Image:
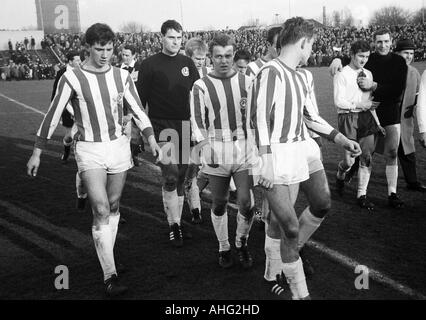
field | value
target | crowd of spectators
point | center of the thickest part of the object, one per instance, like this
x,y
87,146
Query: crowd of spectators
x,y
23,63
330,43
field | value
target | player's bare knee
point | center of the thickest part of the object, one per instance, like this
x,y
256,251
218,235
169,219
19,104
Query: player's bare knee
x,y
291,231
244,204
170,182
101,210
114,206
219,207
321,208
365,159
392,154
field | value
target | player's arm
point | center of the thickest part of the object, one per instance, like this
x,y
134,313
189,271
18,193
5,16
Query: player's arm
x,y
321,127
198,121
49,123
198,114
141,119
144,82
337,64
267,92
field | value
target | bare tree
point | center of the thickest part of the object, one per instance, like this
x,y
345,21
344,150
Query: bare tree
x,y
133,27
390,16
418,16
336,19
348,20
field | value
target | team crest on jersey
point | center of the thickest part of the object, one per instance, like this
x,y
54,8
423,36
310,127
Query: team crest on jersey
x,y
243,103
185,71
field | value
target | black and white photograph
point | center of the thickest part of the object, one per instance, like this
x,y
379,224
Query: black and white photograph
x,y
213,156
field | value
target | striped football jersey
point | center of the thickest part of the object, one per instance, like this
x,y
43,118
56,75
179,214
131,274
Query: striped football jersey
x,y
97,100
203,71
283,107
254,67
218,107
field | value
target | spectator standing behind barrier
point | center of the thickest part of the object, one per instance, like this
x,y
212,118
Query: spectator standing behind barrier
x,y
406,151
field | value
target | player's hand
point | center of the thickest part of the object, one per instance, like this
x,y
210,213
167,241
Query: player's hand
x,y
127,126
266,179
382,131
374,105
423,139
335,66
353,147
33,165
365,84
155,149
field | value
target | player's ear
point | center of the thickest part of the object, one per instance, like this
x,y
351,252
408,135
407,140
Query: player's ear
x,y
302,44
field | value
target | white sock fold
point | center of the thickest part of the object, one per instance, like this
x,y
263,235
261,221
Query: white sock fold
x,y
220,225
194,196
364,174
273,262
295,276
102,238
392,178
308,224
171,206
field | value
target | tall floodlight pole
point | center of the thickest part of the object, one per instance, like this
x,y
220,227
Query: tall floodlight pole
x,y
423,11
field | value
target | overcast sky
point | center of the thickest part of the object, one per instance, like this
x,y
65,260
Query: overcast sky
x,y
196,14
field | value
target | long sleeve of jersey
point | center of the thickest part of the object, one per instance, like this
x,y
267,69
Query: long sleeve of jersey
x,y
51,119
136,108
265,94
143,83
198,113
316,123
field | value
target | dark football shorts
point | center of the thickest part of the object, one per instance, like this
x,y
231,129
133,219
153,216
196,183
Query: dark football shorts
x,y
178,132
357,125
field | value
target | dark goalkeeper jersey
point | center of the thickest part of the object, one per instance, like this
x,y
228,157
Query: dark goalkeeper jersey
x,y
164,84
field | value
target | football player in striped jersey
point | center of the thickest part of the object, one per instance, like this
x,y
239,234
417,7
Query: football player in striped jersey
x,y
196,49
196,181
271,52
281,109
97,92
218,117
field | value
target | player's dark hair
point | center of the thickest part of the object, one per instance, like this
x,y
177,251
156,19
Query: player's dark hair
x,y
71,54
170,24
223,40
381,32
294,29
99,33
242,54
272,33
360,46
195,44
130,47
